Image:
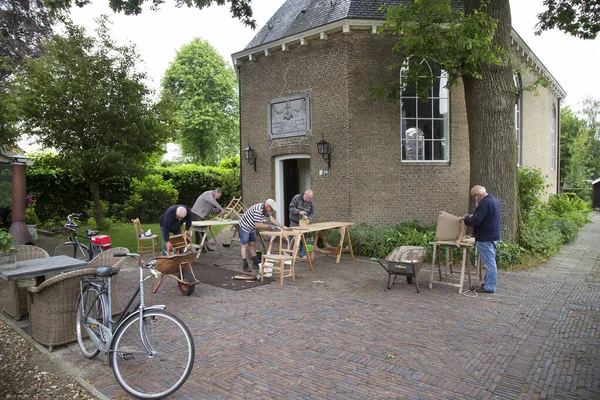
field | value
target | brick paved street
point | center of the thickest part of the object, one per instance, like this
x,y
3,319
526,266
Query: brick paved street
x,y
337,333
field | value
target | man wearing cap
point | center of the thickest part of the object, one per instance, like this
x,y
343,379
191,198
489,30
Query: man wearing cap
x,y
257,216
170,222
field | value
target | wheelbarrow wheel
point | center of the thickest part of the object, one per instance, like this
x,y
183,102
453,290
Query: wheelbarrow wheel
x,y
186,289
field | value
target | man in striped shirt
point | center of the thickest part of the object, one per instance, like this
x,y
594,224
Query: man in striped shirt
x,y
257,216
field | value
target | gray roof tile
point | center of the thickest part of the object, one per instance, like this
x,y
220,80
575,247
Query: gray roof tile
x,y
296,16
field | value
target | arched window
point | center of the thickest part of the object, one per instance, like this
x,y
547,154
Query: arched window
x,y
425,124
553,139
518,131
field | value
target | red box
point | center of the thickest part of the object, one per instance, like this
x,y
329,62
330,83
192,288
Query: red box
x,y
102,240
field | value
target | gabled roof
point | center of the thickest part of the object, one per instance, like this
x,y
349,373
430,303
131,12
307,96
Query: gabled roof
x,y
297,21
296,16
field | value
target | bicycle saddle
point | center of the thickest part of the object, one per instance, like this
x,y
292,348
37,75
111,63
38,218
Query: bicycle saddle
x,y
105,272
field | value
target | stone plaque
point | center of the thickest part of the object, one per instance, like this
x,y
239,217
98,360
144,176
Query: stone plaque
x,y
290,116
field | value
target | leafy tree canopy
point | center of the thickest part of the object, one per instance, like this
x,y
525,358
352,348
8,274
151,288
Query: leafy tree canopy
x,y
24,24
84,99
580,18
199,97
240,9
455,42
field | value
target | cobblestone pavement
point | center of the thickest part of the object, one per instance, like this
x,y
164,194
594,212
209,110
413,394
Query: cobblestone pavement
x,y
337,333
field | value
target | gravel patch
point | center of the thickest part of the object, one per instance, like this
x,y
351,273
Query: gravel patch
x,y
27,373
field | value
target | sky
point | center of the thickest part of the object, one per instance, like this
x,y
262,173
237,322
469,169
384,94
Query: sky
x,y
159,34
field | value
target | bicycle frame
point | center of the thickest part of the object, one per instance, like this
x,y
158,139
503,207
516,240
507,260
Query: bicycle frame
x,y
107,333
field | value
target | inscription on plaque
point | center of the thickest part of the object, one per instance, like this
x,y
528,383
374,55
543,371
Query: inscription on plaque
x,y
290,116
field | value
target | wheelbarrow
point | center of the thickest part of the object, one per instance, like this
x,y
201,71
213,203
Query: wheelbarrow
x,y
405,261
178,267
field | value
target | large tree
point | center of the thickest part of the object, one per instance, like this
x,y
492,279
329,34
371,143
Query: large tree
x,y
199,95
85,99
473,46
24,24
240,9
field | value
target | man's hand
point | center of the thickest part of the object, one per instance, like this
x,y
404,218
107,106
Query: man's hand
x,y
302,212
168,246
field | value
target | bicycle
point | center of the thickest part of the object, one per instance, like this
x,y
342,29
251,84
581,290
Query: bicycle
x,y
150,350
74,248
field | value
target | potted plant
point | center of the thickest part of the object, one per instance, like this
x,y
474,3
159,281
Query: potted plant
x,y
8,254
31,220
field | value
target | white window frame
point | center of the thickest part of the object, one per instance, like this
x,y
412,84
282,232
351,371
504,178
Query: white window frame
x,y
418,137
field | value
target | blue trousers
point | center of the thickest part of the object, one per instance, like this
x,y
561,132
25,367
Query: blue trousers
x,y
487,251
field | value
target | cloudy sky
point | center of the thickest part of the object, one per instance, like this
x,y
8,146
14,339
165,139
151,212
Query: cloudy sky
x,y
158,35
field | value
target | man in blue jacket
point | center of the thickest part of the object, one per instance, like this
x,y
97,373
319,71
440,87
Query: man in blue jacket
x,y
170,222
486,229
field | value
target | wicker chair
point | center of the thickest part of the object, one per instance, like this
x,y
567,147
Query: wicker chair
x,y
14,308
52,308
107,259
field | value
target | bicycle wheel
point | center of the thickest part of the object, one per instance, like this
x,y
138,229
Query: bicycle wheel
x,y
187,290
71,249
93,307
158,375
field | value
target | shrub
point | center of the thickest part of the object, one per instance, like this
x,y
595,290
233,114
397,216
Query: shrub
x,y
509,254
531,186
6,242
151,197
31,217
541,235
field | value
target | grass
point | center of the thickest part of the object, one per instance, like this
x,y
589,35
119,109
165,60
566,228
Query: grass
x,y
123,235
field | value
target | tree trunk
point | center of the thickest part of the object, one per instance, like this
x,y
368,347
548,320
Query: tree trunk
x,y
490,105
95,186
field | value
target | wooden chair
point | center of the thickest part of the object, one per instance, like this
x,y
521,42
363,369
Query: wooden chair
x,y
52,308
234,209
107,259
24,252
285,261
144,243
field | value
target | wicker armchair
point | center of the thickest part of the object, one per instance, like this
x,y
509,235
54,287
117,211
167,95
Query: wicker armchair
x,y
18,308
52,308
107,259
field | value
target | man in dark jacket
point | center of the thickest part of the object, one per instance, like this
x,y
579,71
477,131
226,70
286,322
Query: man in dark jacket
x,y
171,221
301,207
486,229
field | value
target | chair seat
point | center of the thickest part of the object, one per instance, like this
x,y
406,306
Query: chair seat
x,y
278,257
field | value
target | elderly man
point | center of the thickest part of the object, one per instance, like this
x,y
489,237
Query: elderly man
x,y
301,207
257,216
170,222
486,229
205,204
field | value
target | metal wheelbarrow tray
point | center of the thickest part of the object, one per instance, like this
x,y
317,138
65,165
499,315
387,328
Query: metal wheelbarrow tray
x,y
405,261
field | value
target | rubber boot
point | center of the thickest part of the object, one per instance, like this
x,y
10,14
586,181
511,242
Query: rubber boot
x,y
245,266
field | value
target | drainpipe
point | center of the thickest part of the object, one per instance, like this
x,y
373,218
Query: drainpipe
x,y
239,75
558,187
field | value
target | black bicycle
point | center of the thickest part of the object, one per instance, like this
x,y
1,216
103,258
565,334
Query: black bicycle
x,y
74,248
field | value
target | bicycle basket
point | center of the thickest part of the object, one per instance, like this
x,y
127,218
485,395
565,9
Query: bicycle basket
x,y
68,230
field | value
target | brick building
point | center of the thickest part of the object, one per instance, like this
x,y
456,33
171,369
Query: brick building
x,y
306,77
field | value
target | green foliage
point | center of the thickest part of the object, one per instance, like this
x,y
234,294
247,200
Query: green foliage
x,y
240,9
199,99
540,235
84,98
571,206
379,241
6,242
458,43
531,186
151,197
577,17
509,254
31,217
191,180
